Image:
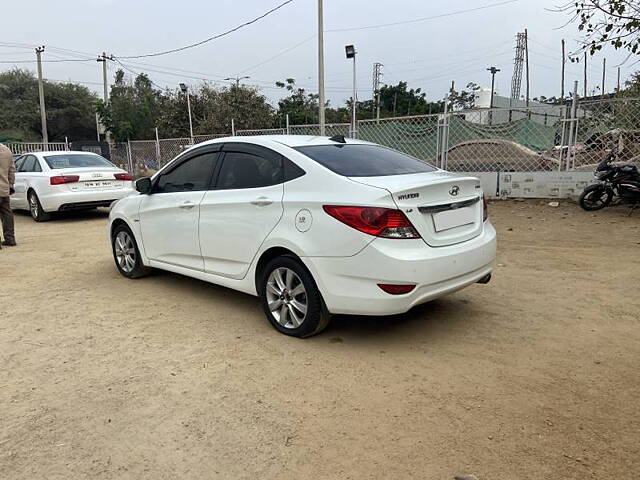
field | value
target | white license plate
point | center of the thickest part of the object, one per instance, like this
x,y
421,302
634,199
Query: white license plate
x,y
99,184
454,218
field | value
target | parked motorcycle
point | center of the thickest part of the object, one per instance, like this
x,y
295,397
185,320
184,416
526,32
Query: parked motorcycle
x,y
622,182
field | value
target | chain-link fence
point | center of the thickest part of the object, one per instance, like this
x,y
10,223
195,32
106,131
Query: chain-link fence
x,y
536,139
330,129
265,131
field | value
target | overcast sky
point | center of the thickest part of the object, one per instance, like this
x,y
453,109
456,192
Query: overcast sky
x,y
428,54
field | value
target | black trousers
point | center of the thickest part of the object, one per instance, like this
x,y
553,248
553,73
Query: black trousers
x,y
6,217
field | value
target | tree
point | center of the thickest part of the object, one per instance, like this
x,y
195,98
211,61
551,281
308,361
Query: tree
x,y
133,108
397,100
602,22
464,99
215,108
302,107
70,109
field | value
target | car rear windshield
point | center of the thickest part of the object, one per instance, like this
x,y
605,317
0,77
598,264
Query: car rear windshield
x,y
357,160
77,160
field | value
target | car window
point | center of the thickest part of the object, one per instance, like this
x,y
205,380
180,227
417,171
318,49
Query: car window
x,y
77,160
28,164
36,165
358,160
291,170
248,170
192,175
19,162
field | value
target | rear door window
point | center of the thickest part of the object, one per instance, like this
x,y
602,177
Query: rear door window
x,y
28,164
249,166
358,160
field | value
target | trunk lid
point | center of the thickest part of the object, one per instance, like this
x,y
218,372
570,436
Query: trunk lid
x,y
445,208
92,178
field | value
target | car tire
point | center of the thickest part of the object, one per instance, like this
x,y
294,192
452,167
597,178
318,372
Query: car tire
x,y
35,208
290,298
126,254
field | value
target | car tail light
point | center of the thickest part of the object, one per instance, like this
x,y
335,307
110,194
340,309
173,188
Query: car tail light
x,y
393,289
60,179
127,177
380,222
485,209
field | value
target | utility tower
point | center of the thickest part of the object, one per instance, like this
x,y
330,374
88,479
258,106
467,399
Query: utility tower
x,y
516,80
377,73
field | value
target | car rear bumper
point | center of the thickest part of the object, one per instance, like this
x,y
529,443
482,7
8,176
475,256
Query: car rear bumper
x,y
79,200
349,284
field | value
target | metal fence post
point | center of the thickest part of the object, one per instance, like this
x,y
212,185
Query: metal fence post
x,y
130,157
233,128
287,123
573,130
158,159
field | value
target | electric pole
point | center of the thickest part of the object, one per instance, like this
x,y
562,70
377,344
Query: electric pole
x,y
321,100
43,112
564,59
618,89
103,58
376,89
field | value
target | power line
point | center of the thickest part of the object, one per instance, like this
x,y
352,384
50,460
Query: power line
x,y
179,49
416,20
279,54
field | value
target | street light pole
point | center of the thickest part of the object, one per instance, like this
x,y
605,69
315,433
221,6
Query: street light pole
x,y
321,100
237,80
350,51
493,71
185,90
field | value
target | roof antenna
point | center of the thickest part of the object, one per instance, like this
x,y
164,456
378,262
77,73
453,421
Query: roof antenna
x,y
338,138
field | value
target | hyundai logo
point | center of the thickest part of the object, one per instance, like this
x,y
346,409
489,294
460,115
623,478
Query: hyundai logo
x,y
454,190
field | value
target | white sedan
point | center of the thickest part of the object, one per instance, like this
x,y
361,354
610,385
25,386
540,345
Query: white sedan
x,y
56,181
313,225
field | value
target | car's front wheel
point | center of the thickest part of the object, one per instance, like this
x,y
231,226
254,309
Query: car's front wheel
x,y
35,208
291,299
126,253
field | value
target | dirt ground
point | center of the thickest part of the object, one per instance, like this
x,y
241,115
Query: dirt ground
x,y
533,376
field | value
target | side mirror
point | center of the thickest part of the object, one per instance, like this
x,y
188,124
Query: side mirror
x,y
143,185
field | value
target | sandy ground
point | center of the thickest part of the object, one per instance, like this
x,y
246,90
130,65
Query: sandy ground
x,y
534,376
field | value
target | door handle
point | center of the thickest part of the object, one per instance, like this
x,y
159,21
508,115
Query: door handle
x,y
187,205
261,202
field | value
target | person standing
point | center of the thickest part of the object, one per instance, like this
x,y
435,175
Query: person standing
x,y
7,180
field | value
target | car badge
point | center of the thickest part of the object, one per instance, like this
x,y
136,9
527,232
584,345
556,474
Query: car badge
x,y
454,190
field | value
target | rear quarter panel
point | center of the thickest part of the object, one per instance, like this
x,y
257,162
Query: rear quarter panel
x,y
306,229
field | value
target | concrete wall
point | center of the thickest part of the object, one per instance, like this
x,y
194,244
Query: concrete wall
x,y
533,184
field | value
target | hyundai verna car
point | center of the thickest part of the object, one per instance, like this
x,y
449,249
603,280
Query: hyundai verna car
x,y
48,182
312,225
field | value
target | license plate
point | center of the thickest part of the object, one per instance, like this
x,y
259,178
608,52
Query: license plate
x,y
98,184
454,218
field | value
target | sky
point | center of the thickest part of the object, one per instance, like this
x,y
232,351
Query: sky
x,y
428,53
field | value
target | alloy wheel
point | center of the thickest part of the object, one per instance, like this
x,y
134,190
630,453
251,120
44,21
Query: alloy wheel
x,y
33,206
286,297
125,252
